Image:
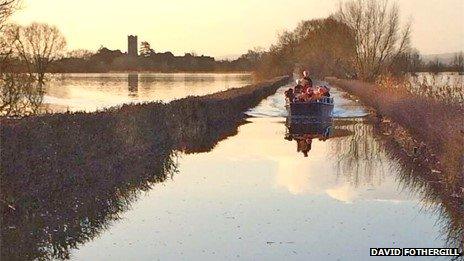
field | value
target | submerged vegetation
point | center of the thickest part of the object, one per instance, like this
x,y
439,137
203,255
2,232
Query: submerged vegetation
x,y
20,96
444,87
440,193
364,161
436,123
22,93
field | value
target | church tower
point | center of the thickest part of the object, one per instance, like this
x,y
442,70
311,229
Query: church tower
x,y
132,46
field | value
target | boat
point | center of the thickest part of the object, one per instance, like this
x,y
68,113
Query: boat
x,y
314,110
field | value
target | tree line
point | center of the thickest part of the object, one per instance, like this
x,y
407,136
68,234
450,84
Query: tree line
x,y
40,48
363,39
106,60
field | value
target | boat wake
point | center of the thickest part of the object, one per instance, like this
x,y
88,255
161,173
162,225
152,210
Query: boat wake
x,y
274,105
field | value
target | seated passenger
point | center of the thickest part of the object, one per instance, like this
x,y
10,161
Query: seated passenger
x,y
303,88
306,86
290,95
326,91
320,92
309,93
298,87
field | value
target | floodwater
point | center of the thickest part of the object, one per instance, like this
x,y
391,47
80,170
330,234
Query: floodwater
x,y
255,197
442,86
90,92
272,190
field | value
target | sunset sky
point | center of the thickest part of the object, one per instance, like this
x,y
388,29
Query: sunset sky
x,y
222,28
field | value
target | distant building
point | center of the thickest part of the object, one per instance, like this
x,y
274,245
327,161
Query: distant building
x,y
132,46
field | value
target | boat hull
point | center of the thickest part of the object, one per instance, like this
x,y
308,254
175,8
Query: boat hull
x,y
320,109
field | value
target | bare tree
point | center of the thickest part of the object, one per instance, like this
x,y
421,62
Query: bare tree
x,y
39,45
7,8
7,42
325,47
458,62
20,95
378,35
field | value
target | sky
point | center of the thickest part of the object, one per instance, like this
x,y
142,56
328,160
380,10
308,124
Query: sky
x,y
223,28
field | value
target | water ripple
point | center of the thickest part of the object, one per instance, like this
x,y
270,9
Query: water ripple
x,y
274,105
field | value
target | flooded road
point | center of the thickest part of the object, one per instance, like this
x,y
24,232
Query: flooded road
x,y
256,196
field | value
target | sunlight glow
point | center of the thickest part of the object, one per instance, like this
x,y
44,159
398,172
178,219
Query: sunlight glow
x,y
221,28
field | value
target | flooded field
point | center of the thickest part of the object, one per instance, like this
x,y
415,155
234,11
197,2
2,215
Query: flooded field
x,y
269,190
445,86
89,92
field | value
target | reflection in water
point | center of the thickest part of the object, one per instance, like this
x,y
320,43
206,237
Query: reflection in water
x,y
72,208
133,83
304,133
438,193
436,198
362,160
20,95
353,153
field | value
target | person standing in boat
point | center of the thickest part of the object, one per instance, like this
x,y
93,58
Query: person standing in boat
x,y
307,79
307,90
